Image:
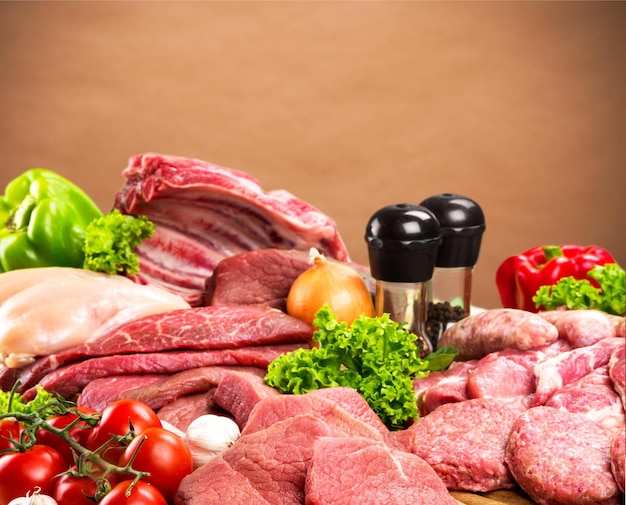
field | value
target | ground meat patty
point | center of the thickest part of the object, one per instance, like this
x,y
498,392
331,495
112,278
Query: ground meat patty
x,y
464,442
560,457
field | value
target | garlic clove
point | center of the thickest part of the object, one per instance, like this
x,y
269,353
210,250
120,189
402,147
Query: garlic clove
x,y
210,435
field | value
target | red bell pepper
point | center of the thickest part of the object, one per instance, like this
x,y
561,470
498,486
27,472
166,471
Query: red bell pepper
x,y
519,277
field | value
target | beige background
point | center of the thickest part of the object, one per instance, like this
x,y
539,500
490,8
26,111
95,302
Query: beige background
x,y
349,105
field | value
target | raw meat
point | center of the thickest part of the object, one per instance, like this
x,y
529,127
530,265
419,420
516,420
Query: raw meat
x,y
185,409
100,392
271,462
200,328
69,380
277,408
172,387
567,367
617,459
465,443
617,372
509,374
218,482
495,330
581,327
204,213
346,471
256,277
561,457
594,397
160,391
47,314
238,392
438,388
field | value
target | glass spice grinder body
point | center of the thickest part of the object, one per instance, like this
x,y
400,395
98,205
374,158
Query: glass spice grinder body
x,y
462,225
402,242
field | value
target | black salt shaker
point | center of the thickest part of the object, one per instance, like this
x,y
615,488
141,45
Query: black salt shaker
x,y
402,241
462,225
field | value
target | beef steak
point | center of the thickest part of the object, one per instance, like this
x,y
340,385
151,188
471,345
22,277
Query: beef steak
x,y
344,471
201,328
271,463
256,277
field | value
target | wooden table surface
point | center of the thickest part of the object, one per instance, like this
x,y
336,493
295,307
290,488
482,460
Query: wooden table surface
x,y
509,497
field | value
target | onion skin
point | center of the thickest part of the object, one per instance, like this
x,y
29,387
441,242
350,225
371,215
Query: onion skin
x,y
335,284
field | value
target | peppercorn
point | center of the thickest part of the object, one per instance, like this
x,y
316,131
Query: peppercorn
x,y
438,316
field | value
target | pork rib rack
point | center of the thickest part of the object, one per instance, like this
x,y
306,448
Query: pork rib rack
x,y
204,213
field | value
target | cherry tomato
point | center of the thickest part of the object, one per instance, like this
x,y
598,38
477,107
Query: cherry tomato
x,y
116,419
142,493
162,453
80,432
22,472
9,430
75,490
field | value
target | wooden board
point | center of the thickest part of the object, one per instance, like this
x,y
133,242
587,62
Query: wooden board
x,y
492,498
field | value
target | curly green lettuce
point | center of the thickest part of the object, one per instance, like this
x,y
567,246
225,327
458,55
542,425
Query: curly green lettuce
x,y
569,292
11,401
375,356
111,241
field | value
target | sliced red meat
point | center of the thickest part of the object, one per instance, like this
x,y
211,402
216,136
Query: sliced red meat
x,y
256,277
218,482
510,373
617,372
344,471
594,397
100,392
204,213
273,462
338,416
567,367
465,443
185,409
238,392
561,457
439,388
69,380
201,328
172,387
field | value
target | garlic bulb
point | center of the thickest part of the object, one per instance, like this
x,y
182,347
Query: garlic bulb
x,y
210,435
170,427
34,499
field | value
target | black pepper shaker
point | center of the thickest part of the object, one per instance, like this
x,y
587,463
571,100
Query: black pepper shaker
x,y
462,225
402,241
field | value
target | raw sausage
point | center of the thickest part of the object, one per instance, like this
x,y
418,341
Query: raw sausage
x,y
497,329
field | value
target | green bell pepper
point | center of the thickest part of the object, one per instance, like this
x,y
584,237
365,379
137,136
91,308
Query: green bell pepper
x,y
43,221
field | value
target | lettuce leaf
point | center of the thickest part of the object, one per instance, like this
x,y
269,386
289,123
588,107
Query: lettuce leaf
x,y
375,355
582,294
111,240
11,401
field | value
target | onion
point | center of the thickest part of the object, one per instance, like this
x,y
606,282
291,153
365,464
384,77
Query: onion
x,y
332,283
